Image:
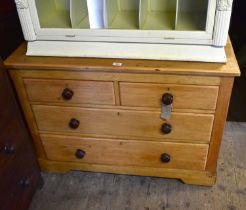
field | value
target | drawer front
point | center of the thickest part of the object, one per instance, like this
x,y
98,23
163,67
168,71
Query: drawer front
x,y
16,169
11,150
192,127
21,196
70,91
184,96
19,156
125,152
19,188
14,141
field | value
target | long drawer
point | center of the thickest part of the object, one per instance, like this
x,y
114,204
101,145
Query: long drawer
x,y
184,96
192,127
125,152
70,91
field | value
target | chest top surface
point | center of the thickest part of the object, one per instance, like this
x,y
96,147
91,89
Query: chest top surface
x,y
18,60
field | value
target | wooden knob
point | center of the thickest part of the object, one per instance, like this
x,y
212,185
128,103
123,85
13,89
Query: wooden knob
x,y
80,154
167,99
74,123
166,128
67,94
9,149
165,158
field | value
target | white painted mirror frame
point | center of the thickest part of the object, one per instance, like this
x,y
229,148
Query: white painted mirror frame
x,y
217,37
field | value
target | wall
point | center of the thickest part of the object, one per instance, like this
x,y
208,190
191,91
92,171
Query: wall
x,y
237,111
10,30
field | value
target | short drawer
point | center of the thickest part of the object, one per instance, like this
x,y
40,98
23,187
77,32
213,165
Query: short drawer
x,y
190,127
15,156
19,187
184,96
125,152
70,91
13,143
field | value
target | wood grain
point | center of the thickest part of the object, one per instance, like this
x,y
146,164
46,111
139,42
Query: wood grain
x,y
85,92
125,152
185,96
117,93
19,60
194,127
188,176
119,76
26,107
154,109
219,122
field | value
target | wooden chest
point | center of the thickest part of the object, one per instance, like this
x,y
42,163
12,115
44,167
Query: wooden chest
x,y
104,115
19,172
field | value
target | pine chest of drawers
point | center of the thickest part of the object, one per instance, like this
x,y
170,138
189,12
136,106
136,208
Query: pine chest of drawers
x,y
104,115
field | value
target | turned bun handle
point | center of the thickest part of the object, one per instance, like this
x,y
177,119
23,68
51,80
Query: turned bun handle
x,y
166,128
80,154
74,123
165,158
167,99
67,94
